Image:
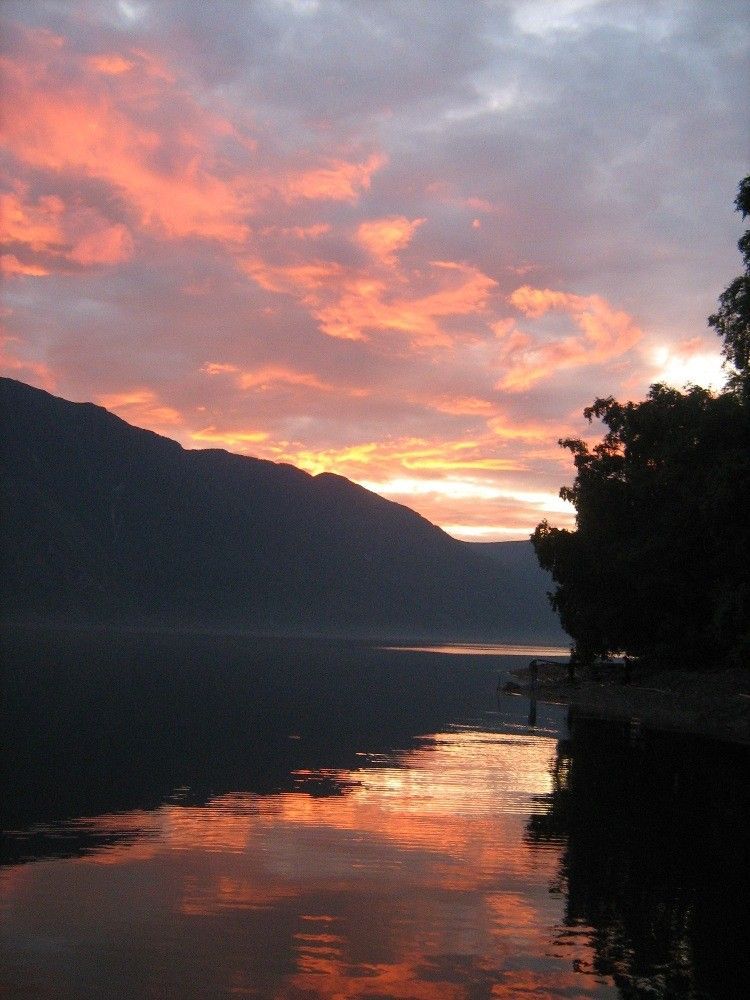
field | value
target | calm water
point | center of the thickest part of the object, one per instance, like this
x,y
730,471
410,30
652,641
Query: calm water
x,y
228,817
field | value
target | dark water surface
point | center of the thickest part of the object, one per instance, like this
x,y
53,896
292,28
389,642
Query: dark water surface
x,y
222,816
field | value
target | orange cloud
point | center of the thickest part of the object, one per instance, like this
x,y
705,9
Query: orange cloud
x,y
59,118
217,368
462,406
338,180
57,125
298,232
177,178
111,65
141,407
37,226
269,375
383,238
290,278
59,234
233,440
364,307
11,266
352,305
381,459
605,333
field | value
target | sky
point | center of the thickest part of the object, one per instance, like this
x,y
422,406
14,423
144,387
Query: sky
x,y
406,242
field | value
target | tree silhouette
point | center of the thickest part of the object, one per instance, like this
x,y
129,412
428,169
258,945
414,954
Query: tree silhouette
x,y
732,319
658,564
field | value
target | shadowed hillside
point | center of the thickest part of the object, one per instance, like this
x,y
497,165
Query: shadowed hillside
x,y
106,522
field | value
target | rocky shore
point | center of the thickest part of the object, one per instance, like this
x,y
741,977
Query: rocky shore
x,y
714,704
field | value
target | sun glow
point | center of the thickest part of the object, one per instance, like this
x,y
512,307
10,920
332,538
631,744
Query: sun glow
x,y
688,363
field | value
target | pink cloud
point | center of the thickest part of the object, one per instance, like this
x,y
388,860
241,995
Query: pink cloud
x,y
337,180
605,333
109,245
191,173
11,267
383,238
365,306
51,234
14,365
462,405
36,225
268,376
112,64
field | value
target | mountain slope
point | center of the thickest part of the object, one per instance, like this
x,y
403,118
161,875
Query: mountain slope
x,y
103,521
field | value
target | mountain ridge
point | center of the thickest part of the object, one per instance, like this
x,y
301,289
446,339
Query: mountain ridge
x,y
106,522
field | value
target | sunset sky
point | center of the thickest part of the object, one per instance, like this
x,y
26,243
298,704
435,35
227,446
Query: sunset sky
x,y
405,242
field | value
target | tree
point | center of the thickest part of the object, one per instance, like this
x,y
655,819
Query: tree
x,y
659,563
732,319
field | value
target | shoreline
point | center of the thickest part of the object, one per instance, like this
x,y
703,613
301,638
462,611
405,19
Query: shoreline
x,y
715,705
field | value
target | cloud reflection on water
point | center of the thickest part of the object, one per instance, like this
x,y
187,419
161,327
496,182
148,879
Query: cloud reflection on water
x,y
410,877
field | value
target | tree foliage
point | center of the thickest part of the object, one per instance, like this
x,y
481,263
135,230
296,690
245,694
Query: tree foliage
x,y
732,319
659,563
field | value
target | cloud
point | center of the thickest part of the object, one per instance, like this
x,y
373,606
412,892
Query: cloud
x,y
337,180
168,176
462,405
265,215
112,64
606,333
269,376
36,225
412,455
232,440
364,307
14,364
142,407
11,266
383,238
182,169
50,236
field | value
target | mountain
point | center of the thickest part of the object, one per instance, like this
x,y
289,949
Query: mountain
x,y
105,522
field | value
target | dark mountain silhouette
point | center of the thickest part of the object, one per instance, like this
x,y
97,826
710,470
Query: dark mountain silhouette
x,y
105,522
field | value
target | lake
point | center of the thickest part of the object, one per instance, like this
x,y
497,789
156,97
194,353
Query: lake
x,y
226,816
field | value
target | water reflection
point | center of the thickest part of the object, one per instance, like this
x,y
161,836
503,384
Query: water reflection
x,y
411,878
318,821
